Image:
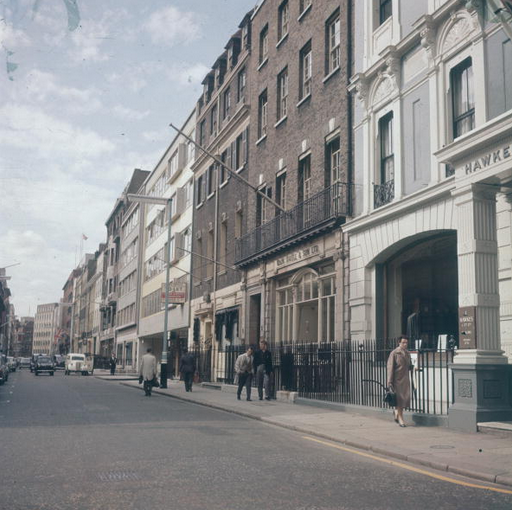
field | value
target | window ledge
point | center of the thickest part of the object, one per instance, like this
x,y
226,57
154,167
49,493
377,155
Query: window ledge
x,y
198,206
264,137
282,40
303,100
210,195
222,184
331,74
262,65
304,12
280,121
220,273
238,170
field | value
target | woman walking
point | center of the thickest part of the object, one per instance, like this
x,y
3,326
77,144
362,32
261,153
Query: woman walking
x,y
399,366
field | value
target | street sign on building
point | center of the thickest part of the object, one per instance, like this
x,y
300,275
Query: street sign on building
x,y
177,293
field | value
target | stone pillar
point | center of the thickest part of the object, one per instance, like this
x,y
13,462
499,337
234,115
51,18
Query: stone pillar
x,y
481,373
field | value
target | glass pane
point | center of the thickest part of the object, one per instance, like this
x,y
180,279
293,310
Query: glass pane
x,y
332,311
315,289
299,293
326,287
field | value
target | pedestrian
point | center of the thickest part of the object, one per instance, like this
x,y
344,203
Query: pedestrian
x,y
113,363
148,371
263,369
243,369
187,368
399,368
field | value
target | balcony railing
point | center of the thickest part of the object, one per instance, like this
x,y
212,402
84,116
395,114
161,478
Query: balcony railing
x,y
304,219
383,193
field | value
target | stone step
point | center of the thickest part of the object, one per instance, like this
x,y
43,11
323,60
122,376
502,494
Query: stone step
x,y
502,428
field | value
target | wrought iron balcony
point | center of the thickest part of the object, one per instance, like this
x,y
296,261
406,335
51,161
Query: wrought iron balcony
x,y
383,193
319,212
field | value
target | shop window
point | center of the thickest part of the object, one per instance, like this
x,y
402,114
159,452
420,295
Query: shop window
x,y
463,101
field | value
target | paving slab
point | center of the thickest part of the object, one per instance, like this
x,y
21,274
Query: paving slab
x,y
475,455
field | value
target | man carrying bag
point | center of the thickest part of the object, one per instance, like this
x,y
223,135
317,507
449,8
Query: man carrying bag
x,y
148,372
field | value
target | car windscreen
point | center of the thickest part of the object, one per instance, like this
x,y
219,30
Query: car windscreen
x,y
43,359
77,358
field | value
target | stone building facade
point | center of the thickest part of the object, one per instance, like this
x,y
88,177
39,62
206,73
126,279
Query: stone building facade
x,y
45,329
432,169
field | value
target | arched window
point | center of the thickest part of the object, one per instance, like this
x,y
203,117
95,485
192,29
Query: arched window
x,y
306,306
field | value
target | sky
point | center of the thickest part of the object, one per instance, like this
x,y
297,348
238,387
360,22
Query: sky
x,y
88,89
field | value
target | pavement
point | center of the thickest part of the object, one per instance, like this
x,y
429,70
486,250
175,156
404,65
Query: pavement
x,y
484,457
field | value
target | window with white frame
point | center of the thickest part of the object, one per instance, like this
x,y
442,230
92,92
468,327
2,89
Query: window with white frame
x,y
262,205
282,94
387,156
306,71
283,20
463,100
262,114
226,103
213,120
263,44
281,191
241,85
333,40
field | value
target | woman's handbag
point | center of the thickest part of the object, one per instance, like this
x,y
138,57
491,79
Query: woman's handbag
x,y
390,397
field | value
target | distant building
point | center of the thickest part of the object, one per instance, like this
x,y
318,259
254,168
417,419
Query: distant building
x,y
24,331
45,329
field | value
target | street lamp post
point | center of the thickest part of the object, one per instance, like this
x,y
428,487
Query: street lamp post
x,y
144,199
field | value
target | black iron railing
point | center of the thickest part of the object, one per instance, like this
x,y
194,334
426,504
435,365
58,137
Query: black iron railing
x,y
328,205
348,372
383,193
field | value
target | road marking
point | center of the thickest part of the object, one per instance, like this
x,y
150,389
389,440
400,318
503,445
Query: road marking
x,y
409,468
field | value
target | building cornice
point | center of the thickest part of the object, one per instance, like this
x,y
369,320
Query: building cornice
x,y
412,202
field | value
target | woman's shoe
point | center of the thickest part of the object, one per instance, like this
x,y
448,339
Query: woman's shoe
x,y
395,417
402,425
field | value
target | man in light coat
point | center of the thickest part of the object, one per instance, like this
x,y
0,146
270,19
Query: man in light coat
x,y
243,368
148,371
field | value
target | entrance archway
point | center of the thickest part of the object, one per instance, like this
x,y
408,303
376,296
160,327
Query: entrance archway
x,y
419,288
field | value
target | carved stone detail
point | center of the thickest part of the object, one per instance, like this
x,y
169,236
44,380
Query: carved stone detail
x,y
459,31
383,91
428,38
465,388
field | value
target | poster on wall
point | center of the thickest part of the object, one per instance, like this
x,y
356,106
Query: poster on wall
x,y
467,327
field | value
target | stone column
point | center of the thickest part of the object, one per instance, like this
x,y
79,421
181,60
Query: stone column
x,y
481,373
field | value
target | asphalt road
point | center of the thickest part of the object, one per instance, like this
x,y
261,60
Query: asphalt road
x,y
74,442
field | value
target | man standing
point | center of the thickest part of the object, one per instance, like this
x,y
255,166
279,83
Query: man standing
x,y
148,371
187,368
263,369
243,368
113,363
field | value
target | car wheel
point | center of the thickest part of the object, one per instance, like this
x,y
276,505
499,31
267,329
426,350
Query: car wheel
x,y
51,373
36,372
66,372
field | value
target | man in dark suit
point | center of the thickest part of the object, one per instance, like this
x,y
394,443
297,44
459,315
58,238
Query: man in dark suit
x,y
187,369
263,369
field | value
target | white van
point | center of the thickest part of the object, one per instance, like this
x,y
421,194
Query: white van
x,y
76,362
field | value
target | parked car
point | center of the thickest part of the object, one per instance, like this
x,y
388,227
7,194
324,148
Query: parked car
x,y
76,362
24,363
44,364
4,369
11,363
60,362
